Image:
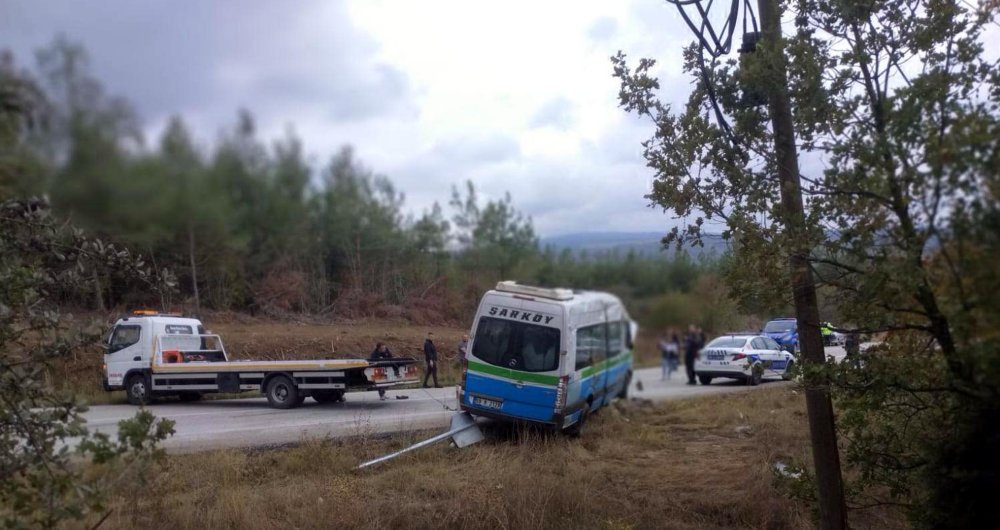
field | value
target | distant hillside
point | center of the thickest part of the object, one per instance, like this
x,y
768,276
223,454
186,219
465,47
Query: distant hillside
x,y
645,243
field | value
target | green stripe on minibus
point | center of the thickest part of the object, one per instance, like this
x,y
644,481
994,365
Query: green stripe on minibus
x,y
513,374
605,364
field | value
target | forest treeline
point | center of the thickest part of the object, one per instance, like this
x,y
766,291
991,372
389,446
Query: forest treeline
x,y
252,224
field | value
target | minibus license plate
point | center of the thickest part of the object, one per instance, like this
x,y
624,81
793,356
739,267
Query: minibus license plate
x,y
486,403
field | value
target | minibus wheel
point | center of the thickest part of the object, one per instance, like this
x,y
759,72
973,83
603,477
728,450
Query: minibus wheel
x,y
576,429
623,394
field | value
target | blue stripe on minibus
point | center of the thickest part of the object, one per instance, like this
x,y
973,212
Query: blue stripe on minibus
x,y
527,402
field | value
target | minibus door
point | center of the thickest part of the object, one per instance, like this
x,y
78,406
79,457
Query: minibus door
x,y
600,357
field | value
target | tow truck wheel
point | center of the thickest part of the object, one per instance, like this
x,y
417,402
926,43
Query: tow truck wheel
x,y
328,396
282,393
137,390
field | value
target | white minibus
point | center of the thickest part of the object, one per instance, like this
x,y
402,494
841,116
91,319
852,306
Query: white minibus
x,y
547,356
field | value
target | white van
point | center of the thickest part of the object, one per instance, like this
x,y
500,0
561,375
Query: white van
x,y
548,356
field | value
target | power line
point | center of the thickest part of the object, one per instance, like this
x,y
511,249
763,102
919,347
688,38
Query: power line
x,y
718,42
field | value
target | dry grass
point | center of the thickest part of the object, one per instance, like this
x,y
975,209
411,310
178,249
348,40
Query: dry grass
x,y
678,465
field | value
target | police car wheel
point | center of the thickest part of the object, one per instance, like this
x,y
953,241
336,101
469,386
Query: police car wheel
x,y
704,379
756,374
787,375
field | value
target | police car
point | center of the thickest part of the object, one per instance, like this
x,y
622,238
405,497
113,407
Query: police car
x,y
744,356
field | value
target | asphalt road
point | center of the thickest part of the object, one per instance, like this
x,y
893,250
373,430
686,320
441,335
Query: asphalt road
x,y
250,422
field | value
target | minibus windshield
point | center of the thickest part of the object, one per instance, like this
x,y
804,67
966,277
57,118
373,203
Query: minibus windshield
x,y
516,345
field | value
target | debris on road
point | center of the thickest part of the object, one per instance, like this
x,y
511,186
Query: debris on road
x,y
787,471
463,433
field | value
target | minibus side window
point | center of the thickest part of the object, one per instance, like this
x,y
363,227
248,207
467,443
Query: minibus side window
x,y
616,338
591,345
584,347
600,343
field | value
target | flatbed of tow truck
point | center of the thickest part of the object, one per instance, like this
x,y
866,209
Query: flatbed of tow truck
x,y
151,354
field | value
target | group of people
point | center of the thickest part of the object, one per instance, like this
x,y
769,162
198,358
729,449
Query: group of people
x,y
381,353
672,346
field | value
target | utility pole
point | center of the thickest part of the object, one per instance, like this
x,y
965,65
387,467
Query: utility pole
x,y
819,407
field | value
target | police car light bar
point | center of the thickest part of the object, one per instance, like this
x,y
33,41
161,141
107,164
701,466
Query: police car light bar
x,y
540,292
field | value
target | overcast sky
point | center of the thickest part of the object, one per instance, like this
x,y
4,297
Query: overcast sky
x,y
516,96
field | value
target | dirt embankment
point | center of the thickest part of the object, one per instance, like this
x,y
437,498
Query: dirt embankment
x,y
269,339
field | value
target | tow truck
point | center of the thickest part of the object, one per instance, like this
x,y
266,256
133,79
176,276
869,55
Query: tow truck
x,y
150,354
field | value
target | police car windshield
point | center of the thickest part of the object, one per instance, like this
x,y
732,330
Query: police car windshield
x,y
516,345
727,342
776,326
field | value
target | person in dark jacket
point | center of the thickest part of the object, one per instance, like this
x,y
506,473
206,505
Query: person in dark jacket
x,y
380,353
431,356
691,347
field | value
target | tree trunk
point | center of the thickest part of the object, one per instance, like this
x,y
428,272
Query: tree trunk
x,y
194,270
98,293
819,407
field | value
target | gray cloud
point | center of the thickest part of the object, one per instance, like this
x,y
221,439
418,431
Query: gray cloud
x,y
557,112
305,62
478,149
208,58
602,29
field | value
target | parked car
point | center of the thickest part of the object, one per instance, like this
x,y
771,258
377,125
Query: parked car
x,y
784,331
746,357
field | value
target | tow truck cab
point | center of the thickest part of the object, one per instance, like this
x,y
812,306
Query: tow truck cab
x,y
131,343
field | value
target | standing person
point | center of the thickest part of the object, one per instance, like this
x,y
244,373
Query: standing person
x,y
380,353
669,349
431,357
662,344
673,353
463,348
691,351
